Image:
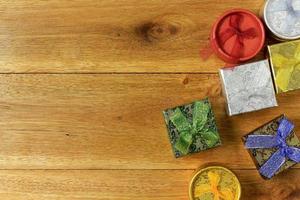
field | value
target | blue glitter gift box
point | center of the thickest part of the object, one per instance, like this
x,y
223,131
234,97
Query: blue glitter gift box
x,y
274,146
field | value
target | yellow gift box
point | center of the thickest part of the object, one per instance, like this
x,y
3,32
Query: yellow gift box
x,y
285,64
214,183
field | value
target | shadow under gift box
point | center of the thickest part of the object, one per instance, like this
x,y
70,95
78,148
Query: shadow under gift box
x,y
248,87
285,65
261,155
192,128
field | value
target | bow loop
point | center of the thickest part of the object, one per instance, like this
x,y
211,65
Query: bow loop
x,y
249,33
235,21
294,154
214,179
180,122
285,128
200,114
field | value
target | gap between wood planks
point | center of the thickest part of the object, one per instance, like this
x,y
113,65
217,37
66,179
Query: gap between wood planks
x,y
106,73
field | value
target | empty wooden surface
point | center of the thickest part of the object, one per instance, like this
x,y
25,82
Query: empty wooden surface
x,y
82,87
93,36
132,184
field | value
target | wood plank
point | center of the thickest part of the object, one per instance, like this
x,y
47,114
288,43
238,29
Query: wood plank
x,y
61,36
133,185
114,121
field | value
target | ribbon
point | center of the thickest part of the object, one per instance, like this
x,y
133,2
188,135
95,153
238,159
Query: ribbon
x,y
188,131
284,151
293,14
214,179
235,30
285,67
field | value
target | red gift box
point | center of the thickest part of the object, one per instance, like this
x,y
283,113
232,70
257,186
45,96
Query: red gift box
x,y
238,35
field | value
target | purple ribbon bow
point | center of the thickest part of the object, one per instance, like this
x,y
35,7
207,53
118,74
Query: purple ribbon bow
x,y
284,152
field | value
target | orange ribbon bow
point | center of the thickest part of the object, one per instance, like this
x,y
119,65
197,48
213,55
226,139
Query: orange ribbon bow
x,y
218,192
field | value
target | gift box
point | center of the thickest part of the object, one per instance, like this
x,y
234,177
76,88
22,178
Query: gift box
x,y
282,17
192,128
237,35
248,87
285,62
214,182
274,146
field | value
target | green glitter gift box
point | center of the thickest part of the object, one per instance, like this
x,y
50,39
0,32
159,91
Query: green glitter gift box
x,y
192,128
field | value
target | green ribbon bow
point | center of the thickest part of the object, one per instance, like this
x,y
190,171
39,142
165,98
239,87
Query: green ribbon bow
x,y
188,131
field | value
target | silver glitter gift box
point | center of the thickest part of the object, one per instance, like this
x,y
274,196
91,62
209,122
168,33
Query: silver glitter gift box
x,y
282,18
248,87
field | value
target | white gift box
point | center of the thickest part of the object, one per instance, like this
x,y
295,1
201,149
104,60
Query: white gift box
x,y
248,87
282,18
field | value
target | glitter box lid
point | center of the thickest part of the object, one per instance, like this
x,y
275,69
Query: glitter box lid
x,y
238,35
248,87
212,181
282,18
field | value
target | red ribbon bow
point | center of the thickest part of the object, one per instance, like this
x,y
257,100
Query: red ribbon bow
x,y
235,30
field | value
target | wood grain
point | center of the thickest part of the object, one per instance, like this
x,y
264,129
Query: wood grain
x,y
83,84
132,185
114,121
88,36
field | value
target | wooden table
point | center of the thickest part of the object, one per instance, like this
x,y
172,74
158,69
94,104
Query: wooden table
x,y
82,87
